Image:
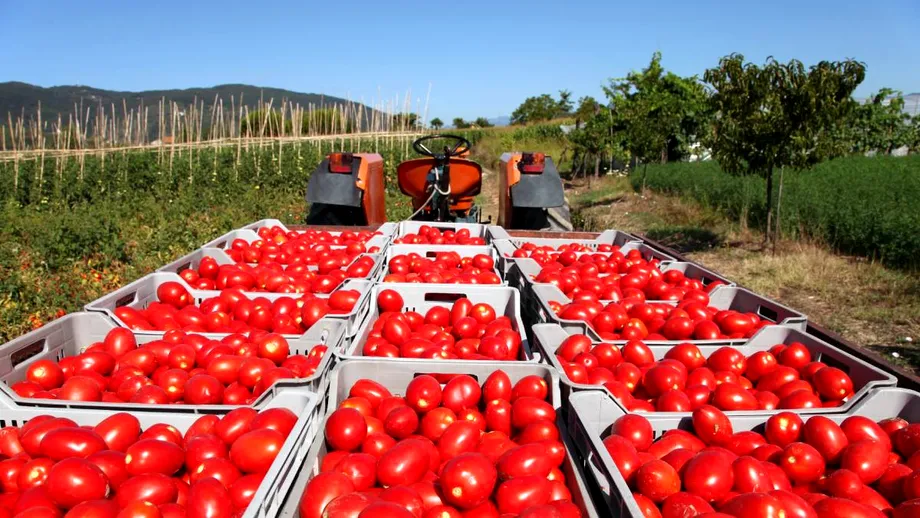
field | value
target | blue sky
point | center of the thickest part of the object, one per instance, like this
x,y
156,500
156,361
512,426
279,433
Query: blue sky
x,y
480,58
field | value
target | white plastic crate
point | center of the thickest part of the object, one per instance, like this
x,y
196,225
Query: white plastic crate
x,y
395,376
420,298
71,334
593,413
866,378
431,251
280,476
140,293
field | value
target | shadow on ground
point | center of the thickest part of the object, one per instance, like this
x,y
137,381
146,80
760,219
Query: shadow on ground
x,y
685,239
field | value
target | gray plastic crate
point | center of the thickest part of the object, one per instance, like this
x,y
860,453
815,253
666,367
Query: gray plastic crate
x,y
227,239
140,293
280,476
193,260
396,376
722,297
71,334
506,248
431,251
593,414
256,225
422,297
412,227
866,378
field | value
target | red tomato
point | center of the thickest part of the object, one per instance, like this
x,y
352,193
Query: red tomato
x,y
61,443
461,392
119,431
468,480
754,505
255,451
867,458
346,429
155,488
154,456
389,300
636,429
72,481
709,475
802,463
657,480
783,428
423,393
405,463
712,425
624,455
516,495
825,436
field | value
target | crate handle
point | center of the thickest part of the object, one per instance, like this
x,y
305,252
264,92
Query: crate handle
x,y
768,313
184,266
220,244
24,353
126,299
444,297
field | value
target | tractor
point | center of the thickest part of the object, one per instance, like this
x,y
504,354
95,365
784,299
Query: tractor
x,y
348,188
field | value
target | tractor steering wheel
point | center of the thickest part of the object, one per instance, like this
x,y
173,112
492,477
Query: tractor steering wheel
x,y
460,147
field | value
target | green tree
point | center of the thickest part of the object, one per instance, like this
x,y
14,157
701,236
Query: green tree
x,y
535,109
600,135
879,124
913,137
437,123
564,106
663,113
779,115
587,108
459,123
482,122
405,120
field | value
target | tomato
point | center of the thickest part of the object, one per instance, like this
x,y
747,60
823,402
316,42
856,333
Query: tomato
x,y
783,428
684,504
526,460
80,388
95,509
732,396
754,505
826,436
119,431
802,463
346,429
841,507
657,480
624,455
321,491
174,294
573,346
154,488
401,422
515,495
528,410
459,437
255,451
867,458
709,475
119,341
468,480
61,443
859,428
208,498
636,429
908,440
203,389
389,300
423,393
750,477
405,463
46,373
281,420
153,456
530,386
460,393
832,383
140,510
712,425
648,508
74,480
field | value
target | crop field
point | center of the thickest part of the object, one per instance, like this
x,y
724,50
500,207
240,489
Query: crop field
x,y
857,205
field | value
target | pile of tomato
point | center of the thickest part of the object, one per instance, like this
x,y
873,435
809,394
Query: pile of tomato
x,y
51,467
310,247
785,376
446,267
178,369
442,451
428,235
465,331
811,467
274,277
543,253
233,312
690,319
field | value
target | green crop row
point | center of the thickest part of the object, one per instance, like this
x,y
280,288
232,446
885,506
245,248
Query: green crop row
x,y
858,205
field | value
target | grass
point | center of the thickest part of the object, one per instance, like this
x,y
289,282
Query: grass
x,y
861,299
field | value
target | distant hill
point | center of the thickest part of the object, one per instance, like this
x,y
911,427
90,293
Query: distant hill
x,y
502,120
16,97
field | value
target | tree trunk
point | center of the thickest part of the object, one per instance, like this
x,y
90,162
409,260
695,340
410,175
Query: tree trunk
x,y
597,165
664,153
779,204
766,234
644,176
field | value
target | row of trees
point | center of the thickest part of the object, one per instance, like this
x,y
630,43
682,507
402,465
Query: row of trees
x,y
755,119
459,123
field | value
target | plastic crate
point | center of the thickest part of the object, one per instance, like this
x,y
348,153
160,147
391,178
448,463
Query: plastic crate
x,y
71,334
421,298
412,227
722,297
431,251
523,272
193,260
593,414
256,225
396,376
506,249
140,293
280,476
866,377
227,239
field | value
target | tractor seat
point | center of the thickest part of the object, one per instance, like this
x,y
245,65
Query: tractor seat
x,y
465,179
